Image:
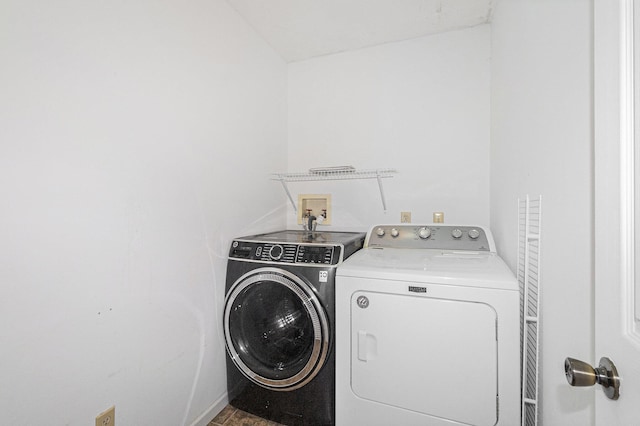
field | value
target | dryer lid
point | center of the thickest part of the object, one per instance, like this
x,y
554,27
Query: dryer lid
x,y
466,268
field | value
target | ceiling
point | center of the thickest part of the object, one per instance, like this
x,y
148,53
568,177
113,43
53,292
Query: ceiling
x,y
302,29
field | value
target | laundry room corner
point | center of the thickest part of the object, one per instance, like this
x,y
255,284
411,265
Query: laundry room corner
x,y
153,264
418,106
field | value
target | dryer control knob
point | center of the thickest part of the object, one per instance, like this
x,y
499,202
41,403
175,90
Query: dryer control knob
x,y
474,233
380,232
394,232
456,233
424,233
276,252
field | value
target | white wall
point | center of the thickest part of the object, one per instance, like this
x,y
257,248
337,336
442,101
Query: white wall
x,y
136,139
541,144
420,106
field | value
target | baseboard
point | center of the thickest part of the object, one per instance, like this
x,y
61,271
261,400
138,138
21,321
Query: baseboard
x,y
212,411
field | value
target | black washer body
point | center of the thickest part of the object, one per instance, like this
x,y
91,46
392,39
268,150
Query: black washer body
x,y
279,324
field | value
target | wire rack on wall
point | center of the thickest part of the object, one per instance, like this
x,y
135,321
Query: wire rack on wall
x,y
334,173
529,231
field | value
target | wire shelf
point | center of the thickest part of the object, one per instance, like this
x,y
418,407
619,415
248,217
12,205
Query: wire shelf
x,y
529,235
334,173
328,174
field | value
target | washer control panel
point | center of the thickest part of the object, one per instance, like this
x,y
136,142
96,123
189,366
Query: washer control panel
x,y
285,252
431,236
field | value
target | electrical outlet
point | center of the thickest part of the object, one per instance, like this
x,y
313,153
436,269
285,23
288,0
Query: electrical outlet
x,y
405,217
107,418
438,217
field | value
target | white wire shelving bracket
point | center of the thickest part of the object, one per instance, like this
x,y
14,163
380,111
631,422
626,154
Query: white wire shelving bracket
x,y
328,174
529,232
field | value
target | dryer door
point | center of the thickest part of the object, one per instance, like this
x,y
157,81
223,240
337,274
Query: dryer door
x,y
276,331
436,357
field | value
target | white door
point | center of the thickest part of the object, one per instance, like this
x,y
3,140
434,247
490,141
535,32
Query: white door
x,y
617,294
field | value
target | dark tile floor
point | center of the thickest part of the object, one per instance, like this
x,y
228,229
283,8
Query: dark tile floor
x,y
231,416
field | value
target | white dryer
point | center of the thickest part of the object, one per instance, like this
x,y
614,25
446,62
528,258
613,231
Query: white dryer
x,y
428,330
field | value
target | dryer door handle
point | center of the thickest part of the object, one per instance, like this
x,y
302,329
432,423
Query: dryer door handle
x,y
362,345
367,346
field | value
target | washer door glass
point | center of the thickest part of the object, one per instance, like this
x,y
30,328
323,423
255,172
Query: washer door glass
x,y
275,330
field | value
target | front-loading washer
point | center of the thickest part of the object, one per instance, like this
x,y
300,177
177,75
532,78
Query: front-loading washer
x,y
279,323
428,330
